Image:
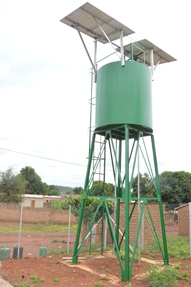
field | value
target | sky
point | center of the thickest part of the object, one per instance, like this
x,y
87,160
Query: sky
x,y
45,84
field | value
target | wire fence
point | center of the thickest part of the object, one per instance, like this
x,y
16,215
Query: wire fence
x,y
171,213
35,232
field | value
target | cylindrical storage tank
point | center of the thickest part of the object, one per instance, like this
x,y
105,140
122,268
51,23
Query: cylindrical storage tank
x,y
42,251
4,253
123,96
17,252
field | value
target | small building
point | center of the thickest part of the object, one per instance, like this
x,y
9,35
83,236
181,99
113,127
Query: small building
x,y
183,219
49,198
32,200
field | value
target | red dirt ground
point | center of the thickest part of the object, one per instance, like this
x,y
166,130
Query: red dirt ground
x,y
56,271
31,243
88,272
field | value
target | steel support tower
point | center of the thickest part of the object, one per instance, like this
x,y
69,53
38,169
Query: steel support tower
x,y
122,132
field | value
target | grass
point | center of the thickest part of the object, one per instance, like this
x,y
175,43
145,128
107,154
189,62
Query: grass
x,y
178,248
58,240
54,251
56,280
102,267
163,277
47,227
105,278
22,285
35,280
98,284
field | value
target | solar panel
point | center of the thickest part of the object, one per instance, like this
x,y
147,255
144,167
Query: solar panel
x,y
87,17
147,46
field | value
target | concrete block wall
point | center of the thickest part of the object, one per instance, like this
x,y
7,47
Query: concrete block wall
x,y
183,220
10,213
146,230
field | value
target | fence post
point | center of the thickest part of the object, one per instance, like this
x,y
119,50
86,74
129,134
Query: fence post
x,y
20,230
190,225
69,226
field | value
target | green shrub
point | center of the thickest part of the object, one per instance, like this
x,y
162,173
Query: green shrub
x,y
163,277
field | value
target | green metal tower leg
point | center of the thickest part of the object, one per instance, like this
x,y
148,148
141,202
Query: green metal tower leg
x,y
165,255
126,274
118,195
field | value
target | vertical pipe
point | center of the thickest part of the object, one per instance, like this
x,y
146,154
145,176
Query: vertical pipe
x,y
95,61
126,274
91,108
69,225
122,49
131,49
152,64
105,232
138,183
190,225
115,194
118,194
20,230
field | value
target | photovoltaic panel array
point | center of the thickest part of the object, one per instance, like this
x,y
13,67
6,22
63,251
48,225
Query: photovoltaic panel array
x,y
86,18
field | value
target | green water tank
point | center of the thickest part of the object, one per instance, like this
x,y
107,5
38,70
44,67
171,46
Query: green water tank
x,y
123,96
4,253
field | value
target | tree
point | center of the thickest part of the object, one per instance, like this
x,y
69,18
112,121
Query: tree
x,y
77,190
102,188
53,190
146,186
176,186
90,207
34,184
11,187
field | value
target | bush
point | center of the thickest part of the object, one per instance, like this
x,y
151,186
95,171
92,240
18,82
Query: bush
x,y
163,277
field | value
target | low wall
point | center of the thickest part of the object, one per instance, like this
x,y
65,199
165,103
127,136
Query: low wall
x,y
11,213
183,220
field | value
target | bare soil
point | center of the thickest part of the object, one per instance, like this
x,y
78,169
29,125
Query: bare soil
x,y
31,243
92,271
57,270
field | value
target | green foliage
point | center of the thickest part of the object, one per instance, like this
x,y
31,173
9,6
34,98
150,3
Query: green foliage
x,y
47,227
52,190
178,247
98,284
22,285
11,187
34,185
91,205
163,277
37,280
146,186
77,190
56,280
101,188
105,278
65,189
57,204
176,186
